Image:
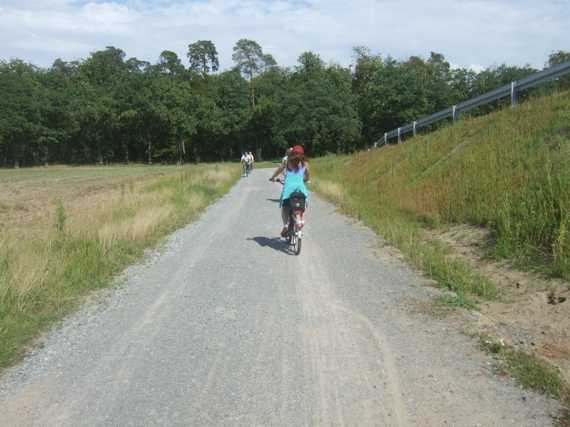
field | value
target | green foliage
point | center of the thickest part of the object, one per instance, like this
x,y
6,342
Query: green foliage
x,y
458,300
557,58
531,372
250,59
319,108
203,57
355,189
507,171
109,108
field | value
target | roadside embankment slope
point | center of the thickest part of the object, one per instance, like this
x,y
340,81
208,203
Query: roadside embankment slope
x,y
482,207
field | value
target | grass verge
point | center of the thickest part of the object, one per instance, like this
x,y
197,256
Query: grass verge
x,y
402,231
531,373
268,164
507,171
47,267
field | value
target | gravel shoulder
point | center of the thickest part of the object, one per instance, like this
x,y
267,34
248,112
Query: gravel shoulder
x,y
220,326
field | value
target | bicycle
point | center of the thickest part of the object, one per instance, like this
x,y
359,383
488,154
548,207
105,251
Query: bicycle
x,y
296,221
296,204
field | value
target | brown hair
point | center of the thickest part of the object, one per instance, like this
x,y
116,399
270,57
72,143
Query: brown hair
x,y
295,161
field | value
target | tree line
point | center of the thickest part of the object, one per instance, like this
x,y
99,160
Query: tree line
x,y
109,108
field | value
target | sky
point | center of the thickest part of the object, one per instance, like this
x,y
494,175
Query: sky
x,y
470,33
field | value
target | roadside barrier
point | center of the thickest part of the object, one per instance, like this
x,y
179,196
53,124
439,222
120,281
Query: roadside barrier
x,y
453,112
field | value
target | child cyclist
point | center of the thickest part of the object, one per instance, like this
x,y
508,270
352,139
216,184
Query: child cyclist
x,y
296,171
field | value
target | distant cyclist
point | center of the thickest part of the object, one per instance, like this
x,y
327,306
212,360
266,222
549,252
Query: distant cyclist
x,y
287,154
244,163
296,174
251,161
284,163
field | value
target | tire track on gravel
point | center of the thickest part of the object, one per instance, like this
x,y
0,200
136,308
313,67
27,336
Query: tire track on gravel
x,y
340,356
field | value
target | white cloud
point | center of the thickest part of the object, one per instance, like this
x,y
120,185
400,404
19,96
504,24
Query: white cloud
x,y
467,32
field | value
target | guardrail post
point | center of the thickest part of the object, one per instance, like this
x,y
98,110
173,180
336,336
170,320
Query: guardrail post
x,y
399,136
385,138
454,113
414,127
513,94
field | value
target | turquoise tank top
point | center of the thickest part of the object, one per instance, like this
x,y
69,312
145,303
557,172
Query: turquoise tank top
x,y
294,181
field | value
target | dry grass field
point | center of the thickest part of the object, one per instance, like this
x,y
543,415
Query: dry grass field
x,y
66,230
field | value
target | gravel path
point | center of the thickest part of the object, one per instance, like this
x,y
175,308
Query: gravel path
x,y
222,327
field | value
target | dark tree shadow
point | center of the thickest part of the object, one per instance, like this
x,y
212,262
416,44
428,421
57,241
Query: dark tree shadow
x,y
272,242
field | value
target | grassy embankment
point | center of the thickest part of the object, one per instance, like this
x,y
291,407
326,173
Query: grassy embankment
x,y
65,231
508,172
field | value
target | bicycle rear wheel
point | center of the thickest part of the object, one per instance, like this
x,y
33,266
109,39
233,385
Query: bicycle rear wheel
x,y
291,230
298,245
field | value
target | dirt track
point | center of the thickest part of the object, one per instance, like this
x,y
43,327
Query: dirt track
x,y
223,327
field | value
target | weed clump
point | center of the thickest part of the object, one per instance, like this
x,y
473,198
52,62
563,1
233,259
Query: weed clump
x,y
60,217
531,372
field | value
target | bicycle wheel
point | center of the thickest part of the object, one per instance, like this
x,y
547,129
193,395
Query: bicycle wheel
x,y
298,246
291,230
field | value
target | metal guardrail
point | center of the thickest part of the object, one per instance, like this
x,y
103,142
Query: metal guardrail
x,y
454,111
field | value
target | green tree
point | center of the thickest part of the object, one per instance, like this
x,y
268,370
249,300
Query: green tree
x,y
21,112
203,57
319,109
251,61
559,57
169,63
365,67
104,67
107,108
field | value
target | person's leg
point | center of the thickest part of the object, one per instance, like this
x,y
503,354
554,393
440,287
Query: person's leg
x,y
285,218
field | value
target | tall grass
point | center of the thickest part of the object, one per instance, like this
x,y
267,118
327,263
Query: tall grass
x,y
508,171
43,274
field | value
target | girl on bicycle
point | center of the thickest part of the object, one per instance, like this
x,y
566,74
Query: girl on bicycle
x,y
296,172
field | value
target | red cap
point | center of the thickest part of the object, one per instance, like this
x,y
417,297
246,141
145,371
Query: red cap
x,y
297,149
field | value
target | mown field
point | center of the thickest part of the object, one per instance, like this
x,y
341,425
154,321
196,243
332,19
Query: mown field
x,y
66,230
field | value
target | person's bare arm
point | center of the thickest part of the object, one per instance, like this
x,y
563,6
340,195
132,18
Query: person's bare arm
x,y
307,175
277,172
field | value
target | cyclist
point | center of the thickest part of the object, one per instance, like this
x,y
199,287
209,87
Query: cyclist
x,y
287,154
296,174
244,160
251,161
284,163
